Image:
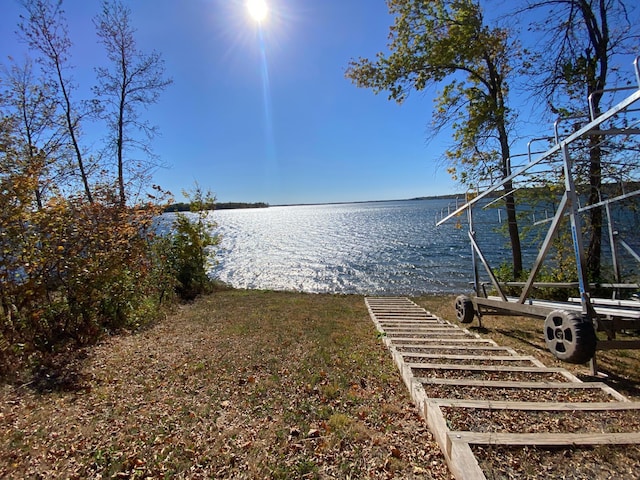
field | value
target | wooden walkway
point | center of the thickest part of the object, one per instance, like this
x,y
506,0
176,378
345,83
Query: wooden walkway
x,y
453,374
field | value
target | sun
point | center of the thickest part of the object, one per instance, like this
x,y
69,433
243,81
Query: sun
x,y
257,9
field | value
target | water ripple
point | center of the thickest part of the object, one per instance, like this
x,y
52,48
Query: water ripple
x,y
370,248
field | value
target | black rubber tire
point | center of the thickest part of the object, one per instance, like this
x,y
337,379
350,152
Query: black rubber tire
x,y
464,309
569,336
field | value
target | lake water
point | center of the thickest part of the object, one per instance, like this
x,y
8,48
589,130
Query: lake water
x,y
382,248
364,248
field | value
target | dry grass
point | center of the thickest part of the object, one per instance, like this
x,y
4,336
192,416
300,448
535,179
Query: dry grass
x,y
240,384
248,384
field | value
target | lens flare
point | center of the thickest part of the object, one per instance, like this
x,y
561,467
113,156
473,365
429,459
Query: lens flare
x,y
257,9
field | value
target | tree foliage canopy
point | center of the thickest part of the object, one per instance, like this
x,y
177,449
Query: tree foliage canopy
x,y
572,73
446,44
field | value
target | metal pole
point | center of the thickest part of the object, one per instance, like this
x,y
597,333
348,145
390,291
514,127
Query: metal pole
x,y
614,252
576,230
472,233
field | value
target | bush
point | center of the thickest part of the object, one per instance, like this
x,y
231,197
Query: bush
x,y
74,270
191,243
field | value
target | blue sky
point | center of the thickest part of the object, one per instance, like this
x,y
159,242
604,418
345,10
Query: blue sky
x,y
271,118
296,131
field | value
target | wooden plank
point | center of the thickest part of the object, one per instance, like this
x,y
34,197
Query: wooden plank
x,y
397,308
399,340
436,327
410,321
464,382
427,336
485,368
421,325
463,463
467,382
533,406
546,439
395,313
416,321
459,457
385,298
427,333
461,348
507,358
403,326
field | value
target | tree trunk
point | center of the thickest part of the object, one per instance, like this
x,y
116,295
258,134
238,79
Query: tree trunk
x,y
120,147
510,202
71,128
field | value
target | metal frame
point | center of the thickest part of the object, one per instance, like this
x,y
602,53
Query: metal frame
x,y
604,318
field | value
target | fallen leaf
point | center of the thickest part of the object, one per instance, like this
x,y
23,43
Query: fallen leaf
x,y
395,452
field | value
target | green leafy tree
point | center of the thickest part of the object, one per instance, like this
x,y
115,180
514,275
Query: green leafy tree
x,y
446,43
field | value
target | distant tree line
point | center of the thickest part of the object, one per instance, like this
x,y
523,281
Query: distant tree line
x,y
185,207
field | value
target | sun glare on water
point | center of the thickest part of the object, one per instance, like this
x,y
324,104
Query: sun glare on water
x,y
257,9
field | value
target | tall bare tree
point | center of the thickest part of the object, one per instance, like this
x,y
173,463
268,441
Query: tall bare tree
x,y
574,62
133,80
45,30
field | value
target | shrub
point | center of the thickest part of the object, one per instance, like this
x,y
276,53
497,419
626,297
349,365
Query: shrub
x,y
74,270
191,245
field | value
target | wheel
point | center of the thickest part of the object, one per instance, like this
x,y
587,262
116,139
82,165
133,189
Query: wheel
x,y
569,336
464,309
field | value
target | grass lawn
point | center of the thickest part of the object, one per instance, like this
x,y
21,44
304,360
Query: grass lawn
x,y
239,384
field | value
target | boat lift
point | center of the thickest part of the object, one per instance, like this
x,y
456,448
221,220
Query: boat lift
x,y
570,327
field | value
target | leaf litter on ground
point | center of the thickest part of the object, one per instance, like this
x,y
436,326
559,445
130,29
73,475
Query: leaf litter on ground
x,y
238,384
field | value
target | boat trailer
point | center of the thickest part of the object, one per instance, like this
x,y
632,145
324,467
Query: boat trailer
x,y
571,327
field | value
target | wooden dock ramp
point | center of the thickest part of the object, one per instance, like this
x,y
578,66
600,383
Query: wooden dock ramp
x,y
472,392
